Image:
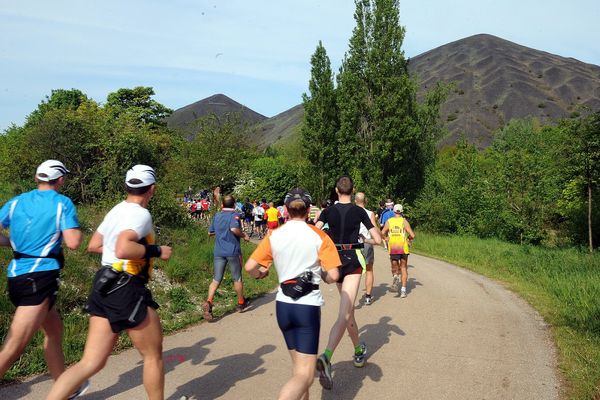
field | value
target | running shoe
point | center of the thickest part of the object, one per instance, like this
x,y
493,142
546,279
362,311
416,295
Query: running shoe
x,y
243,307
207,310
395,284
403,292
359,359
368,299
325,375
81,391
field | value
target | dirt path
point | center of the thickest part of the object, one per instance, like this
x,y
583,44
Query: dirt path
x,y
456,336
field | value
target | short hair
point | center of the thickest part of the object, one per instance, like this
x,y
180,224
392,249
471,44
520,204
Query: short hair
x,y
297,208
345,185
228,201
138,191
360,198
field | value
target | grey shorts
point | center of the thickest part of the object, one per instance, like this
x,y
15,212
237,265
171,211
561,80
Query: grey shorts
x,y
368,253
235,267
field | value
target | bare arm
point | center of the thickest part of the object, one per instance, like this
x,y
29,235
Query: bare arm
x,y
72,238
95,245
330,276
385,230
374,231
238,232
128,248
319,224
255,270
409,230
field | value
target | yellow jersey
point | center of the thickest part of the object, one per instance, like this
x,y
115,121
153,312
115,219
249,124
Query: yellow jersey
x,y
398,243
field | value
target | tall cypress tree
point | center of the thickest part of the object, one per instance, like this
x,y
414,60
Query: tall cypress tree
x,y
321,124
385,136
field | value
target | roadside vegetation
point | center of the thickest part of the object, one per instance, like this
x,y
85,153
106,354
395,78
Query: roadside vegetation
x,y
562,284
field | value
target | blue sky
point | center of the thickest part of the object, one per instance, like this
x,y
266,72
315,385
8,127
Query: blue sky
x,y
255,52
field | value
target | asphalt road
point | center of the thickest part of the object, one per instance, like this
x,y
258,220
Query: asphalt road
x,y
456,336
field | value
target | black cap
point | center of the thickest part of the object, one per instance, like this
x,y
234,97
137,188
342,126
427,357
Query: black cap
x,y
298,194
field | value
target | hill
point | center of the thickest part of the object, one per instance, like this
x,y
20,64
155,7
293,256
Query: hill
x,y
218,105
495,81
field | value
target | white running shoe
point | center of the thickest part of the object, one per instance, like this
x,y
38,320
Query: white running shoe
x,y
403,292
81,391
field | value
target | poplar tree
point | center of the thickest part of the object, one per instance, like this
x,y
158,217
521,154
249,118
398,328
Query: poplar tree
x,y
321,124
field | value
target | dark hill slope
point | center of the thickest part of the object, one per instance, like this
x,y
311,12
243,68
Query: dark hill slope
x,y
219,105
496,80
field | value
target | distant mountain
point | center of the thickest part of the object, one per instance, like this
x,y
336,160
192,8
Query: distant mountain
x,y
495,81
218,105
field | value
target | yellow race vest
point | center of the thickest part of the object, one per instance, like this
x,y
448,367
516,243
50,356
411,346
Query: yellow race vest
x,y
398,243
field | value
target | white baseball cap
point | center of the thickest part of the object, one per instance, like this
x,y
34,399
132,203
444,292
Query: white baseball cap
x,y
140,176
398,208
50,170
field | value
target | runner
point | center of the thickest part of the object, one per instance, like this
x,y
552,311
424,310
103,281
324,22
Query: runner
x,y
344,219
259,219
395,229
313,214
272,217
204,206
368,251
248,207
39,221
119,300
282,213
298,249
227,230
387,213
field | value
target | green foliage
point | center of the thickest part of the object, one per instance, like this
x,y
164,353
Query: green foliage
x,y
562,284
267,177
139,104
321,122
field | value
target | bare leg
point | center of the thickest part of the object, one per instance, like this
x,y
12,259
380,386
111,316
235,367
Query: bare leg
x,y
212,289
395,267
239,289
369,279
99,344
303,375
147,338
404,270
53,335
25,323
348,291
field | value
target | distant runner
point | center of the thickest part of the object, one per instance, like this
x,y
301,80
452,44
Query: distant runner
x,y
259,219
396,230
301,253
272,217
227,230
344,219
368,251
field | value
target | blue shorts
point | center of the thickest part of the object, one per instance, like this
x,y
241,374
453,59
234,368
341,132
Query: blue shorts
x,y
235,267
300,325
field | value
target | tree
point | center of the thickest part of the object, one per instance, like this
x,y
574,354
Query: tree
x,y
321,123
139,103
585,160
386,138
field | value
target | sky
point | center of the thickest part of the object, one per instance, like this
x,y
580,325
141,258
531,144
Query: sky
x,y
256,52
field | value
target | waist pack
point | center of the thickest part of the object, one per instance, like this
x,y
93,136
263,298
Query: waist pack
x,y
60,257
299,286
108,280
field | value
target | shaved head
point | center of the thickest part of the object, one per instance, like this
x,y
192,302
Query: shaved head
x,y
360,198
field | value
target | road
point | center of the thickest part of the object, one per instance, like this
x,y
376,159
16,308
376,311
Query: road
x,y
457,335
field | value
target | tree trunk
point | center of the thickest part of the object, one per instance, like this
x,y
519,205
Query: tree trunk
x,y
590,215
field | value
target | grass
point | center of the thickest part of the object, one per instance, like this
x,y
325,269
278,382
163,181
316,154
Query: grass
x,y
179,286
562,284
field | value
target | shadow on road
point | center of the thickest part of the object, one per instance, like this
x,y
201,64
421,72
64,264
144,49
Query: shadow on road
x,y
378,335
348,380
227,372
17,390
171,359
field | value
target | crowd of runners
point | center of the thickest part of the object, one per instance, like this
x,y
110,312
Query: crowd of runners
x,y
305,243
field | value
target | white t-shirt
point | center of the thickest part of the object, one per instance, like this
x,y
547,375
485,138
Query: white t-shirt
x,y
294,248
258,213
124,216
364,232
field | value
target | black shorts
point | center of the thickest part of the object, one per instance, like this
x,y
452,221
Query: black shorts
x,y
33,288
124,308
350,264
398,257
300,325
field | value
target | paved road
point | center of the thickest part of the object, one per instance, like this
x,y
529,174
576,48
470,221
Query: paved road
x,y
456,336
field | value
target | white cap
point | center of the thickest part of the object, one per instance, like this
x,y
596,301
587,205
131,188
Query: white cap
x,y
398,208
50,170
140,176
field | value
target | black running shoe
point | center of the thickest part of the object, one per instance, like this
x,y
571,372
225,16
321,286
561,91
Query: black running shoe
x,y
325,374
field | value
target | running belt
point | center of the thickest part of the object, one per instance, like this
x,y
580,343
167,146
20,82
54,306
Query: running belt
x,y
349,246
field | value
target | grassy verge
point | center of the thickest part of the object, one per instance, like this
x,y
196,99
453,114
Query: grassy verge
x,y
562,284
179,286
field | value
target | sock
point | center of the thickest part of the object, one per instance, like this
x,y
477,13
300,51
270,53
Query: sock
x,y
358,349
241,301
328,353
403,289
